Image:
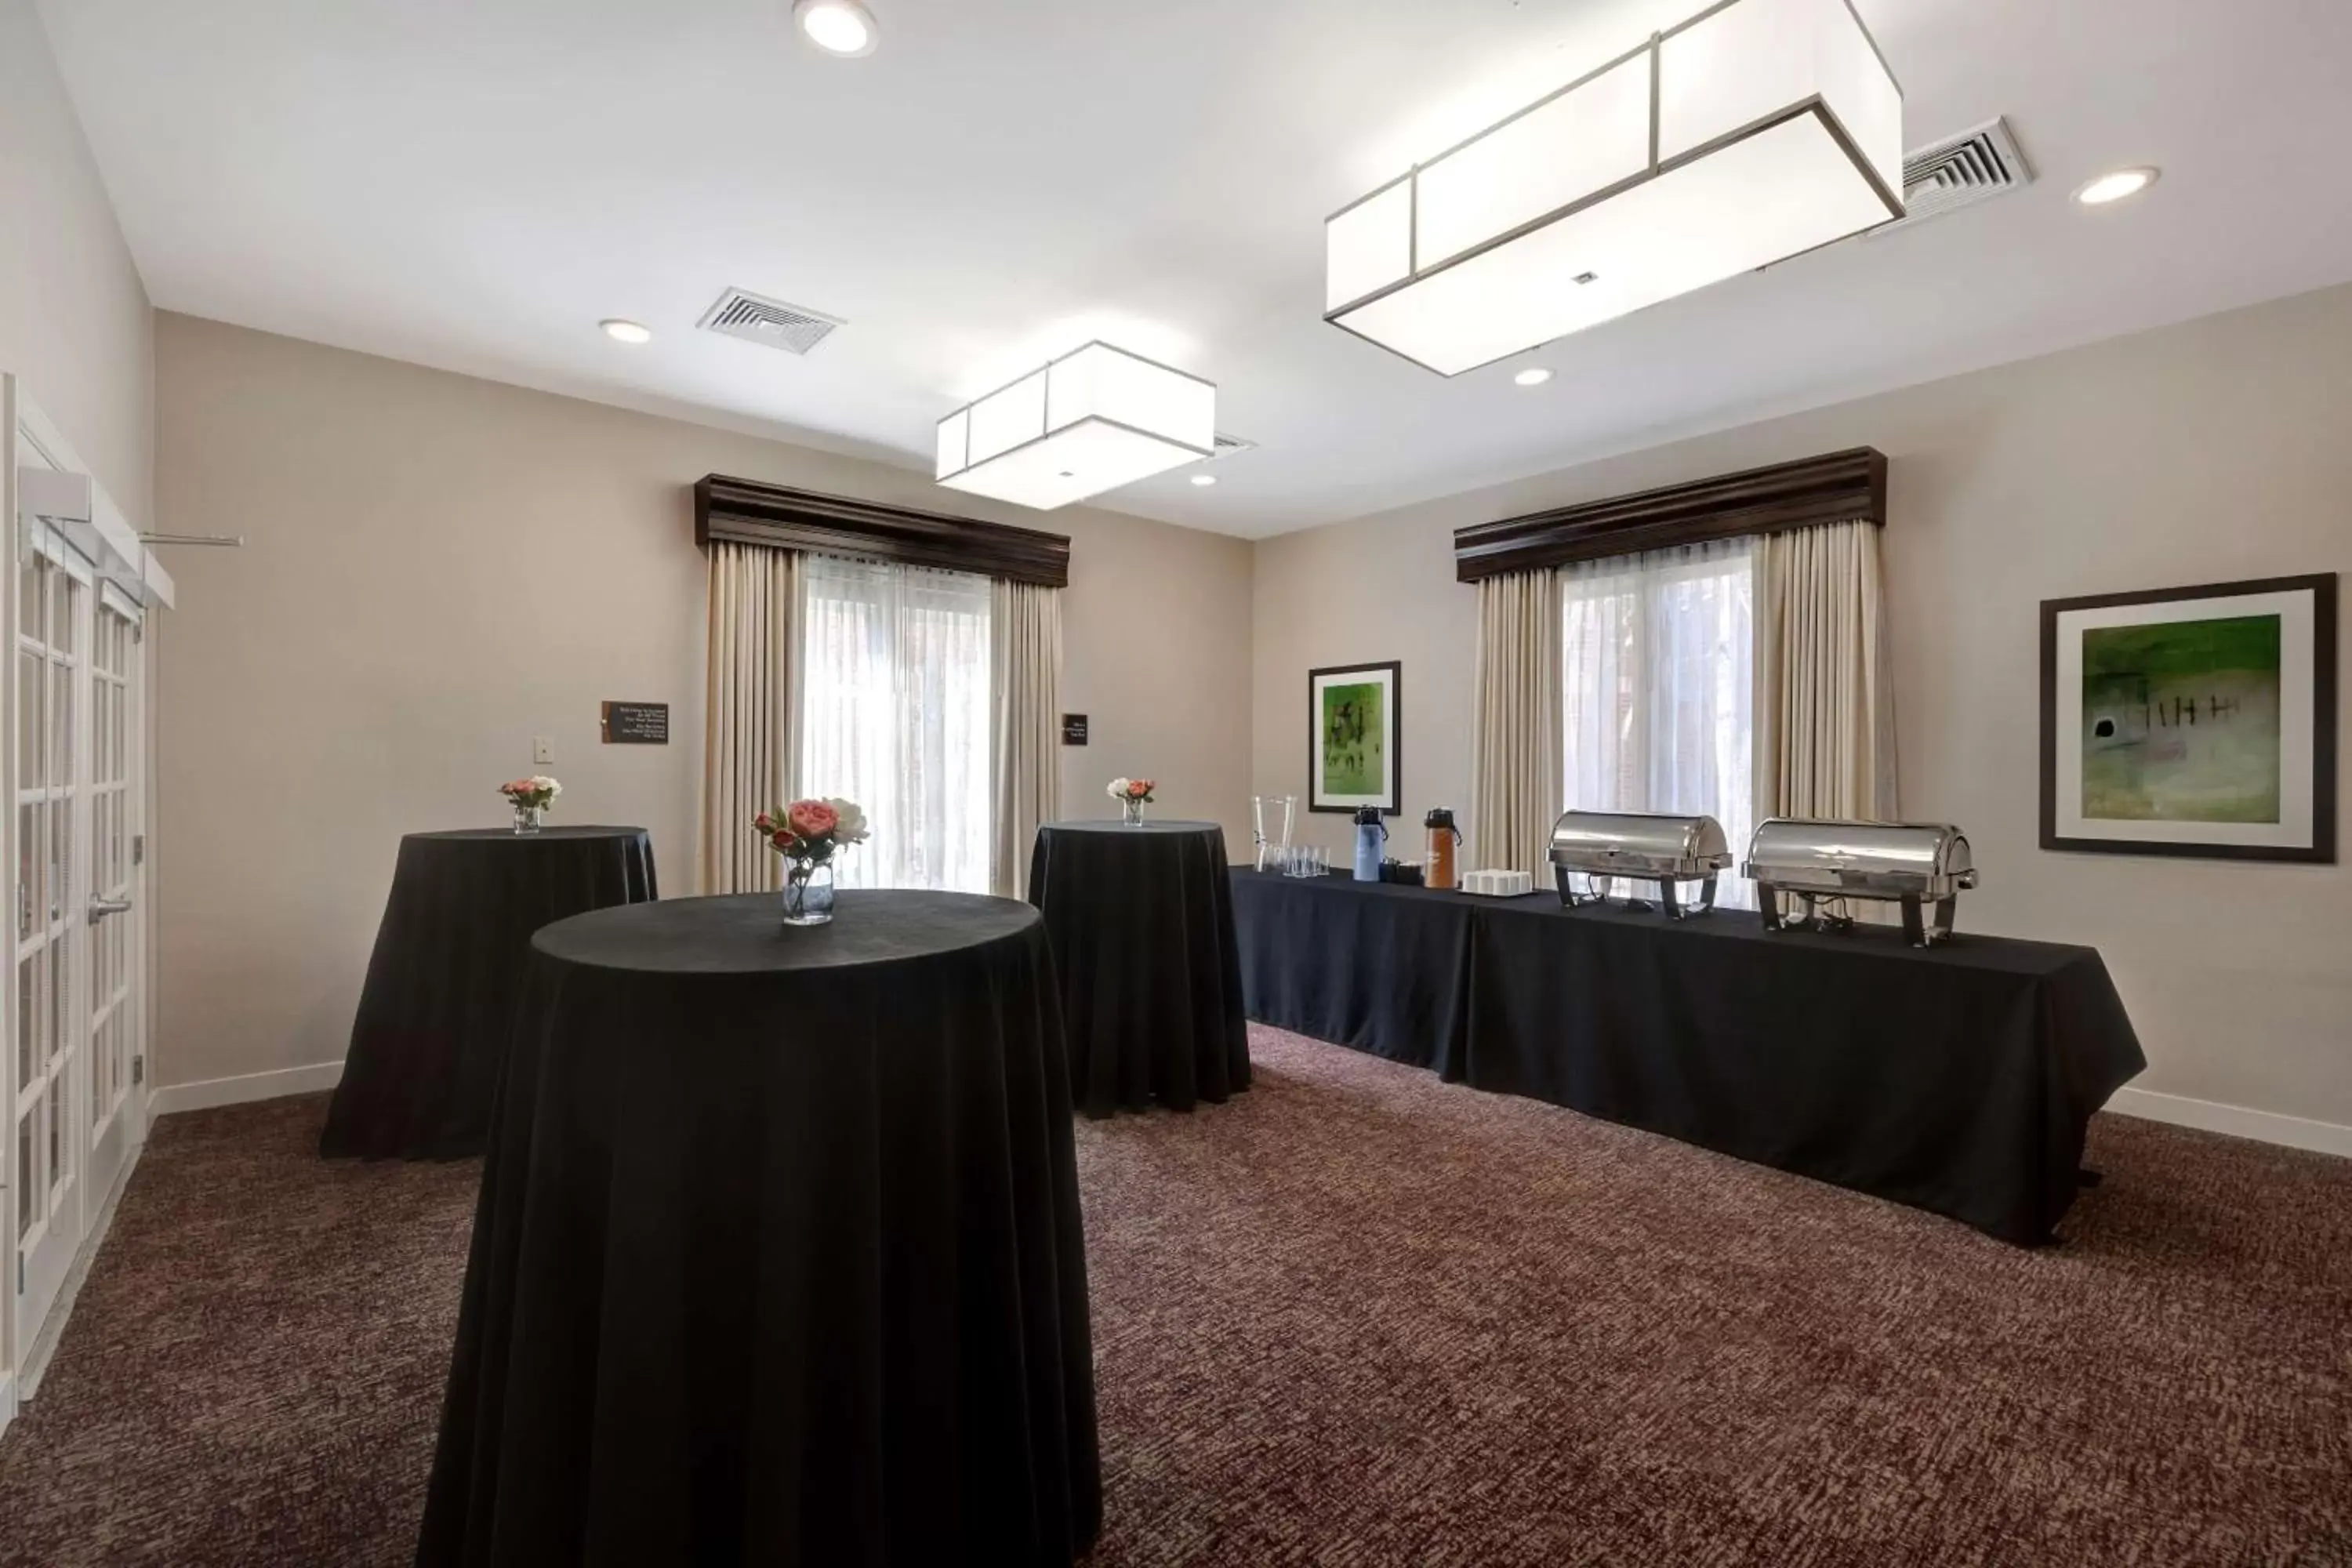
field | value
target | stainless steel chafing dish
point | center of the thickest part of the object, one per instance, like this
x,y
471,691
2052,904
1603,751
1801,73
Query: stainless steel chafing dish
x,y
1913,863
1641,846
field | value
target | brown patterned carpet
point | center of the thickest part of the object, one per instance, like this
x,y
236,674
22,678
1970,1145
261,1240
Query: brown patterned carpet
x,y
1355,1318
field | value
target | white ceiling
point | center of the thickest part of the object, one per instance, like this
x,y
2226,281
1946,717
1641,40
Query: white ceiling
x,y
473,183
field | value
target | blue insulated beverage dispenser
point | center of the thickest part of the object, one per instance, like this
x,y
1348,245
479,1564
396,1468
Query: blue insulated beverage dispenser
x,y
1371,834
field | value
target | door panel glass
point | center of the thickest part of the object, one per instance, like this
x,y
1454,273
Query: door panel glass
x,y
30,678
32,833
61,620
60,858
32,588
31,1008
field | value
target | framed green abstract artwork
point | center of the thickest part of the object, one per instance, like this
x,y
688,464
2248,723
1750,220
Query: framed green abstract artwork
x,y
1353,720
2192,721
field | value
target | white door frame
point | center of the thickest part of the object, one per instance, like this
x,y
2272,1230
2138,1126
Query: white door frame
x,y
11,1350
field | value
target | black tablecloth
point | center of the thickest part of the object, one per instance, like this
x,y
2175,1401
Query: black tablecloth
x,y
1143,925
778,1257
1958,1077
1377,966
435,1014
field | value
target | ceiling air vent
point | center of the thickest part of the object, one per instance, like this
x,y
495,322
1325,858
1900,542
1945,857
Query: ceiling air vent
x,y
1960,170
1226,446
770,322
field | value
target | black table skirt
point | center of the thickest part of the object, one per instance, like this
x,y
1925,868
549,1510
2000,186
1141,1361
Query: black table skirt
x,y
1143,925
1959,1078
438,1003
778,1257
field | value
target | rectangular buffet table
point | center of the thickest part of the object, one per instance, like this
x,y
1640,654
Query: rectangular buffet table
x,y
1957,1078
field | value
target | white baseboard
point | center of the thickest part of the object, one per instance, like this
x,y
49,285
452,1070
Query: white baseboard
x,y
2263,1126
244,1087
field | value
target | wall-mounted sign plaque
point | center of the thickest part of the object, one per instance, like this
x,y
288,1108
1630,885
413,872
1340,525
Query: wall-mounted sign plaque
x,y
635,723
1074,728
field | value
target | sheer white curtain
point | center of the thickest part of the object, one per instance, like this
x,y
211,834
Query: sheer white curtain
x,y
1658,676
894,713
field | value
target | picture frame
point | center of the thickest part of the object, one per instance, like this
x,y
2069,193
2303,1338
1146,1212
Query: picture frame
x,y
1354,738
2192,721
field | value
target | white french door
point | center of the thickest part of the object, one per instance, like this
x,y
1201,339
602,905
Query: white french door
x,y
73,994
50,1118
115,1018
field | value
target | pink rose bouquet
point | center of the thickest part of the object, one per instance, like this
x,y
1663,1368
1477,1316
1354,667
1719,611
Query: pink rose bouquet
x,y
811,830
1133,795
537,792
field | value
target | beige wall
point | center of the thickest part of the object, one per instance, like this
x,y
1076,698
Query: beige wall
x,y
2215,450
439,569
75,327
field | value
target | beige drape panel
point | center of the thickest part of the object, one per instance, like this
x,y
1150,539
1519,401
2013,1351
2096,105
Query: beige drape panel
x,y
1025,694
1825,699
747,716
1515,769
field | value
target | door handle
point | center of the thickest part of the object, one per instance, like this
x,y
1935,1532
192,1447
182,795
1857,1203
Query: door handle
x,y
101,908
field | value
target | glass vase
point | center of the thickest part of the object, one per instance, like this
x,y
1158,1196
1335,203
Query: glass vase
x,y
808,893
1132,813
526,819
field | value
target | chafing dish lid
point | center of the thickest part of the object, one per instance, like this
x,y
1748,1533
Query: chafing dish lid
x,y
1650,835
1792,846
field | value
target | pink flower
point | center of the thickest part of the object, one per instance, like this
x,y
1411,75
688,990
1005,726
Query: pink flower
x,y
812,818
764,823
783,841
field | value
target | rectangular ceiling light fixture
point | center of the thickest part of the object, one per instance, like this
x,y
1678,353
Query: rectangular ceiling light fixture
x,y
1756,129
1095,419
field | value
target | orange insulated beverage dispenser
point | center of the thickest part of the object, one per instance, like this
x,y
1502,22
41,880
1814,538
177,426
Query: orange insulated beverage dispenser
x,y
1442,837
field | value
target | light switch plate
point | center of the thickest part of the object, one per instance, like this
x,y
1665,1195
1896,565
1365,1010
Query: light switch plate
x,y
542,750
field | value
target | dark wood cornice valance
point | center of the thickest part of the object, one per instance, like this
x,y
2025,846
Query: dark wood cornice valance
x,y
1841,487
755,513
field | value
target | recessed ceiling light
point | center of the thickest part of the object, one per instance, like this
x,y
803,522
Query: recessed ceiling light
x,y
624,332
838,27
2115,186
1534,376
1205,479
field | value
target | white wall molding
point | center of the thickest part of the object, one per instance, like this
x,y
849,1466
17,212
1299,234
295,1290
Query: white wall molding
x,y
204,1095
2263,1126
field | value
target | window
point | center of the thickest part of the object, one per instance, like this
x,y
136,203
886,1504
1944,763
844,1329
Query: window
x,y
1658,656
894,713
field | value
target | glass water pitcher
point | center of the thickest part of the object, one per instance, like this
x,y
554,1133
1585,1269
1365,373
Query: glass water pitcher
x,y
1269,848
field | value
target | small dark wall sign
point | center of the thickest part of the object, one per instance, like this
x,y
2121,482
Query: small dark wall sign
x,y
635,723
1074,728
